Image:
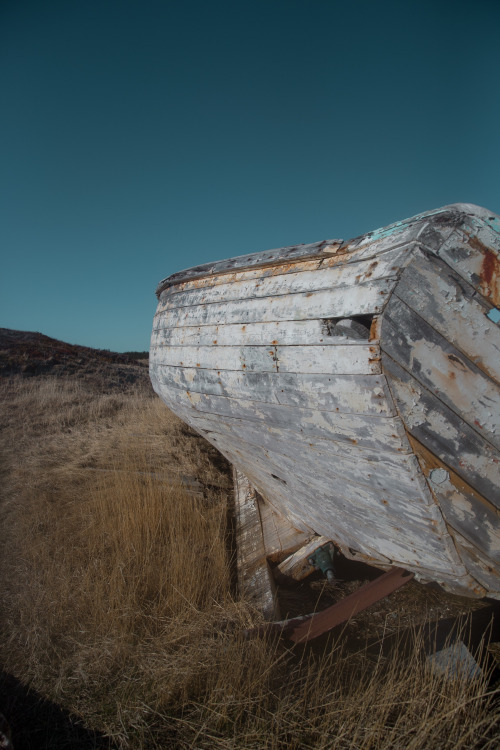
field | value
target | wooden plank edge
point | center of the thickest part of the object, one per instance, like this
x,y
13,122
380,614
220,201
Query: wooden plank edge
x,y
255,579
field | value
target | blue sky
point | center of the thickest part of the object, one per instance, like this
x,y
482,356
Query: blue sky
x,y
141,138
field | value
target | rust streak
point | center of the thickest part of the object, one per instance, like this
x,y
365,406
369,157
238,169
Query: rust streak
x,y
490,271
375,329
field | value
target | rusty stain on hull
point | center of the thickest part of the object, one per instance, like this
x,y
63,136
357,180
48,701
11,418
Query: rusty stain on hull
x,y
490,276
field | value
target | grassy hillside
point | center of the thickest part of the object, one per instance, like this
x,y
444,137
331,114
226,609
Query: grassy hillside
x,y
118,604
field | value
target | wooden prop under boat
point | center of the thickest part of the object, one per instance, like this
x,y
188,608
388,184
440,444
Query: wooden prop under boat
x,y
356,385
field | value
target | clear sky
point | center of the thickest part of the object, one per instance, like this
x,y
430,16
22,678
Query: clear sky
x,y
141,137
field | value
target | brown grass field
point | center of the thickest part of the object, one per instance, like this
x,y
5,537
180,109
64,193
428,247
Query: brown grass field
x,y
118,603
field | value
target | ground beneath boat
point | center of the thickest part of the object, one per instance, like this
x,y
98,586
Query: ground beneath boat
x,y
407,609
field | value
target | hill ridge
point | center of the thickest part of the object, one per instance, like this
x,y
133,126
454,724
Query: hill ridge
x,y
30,353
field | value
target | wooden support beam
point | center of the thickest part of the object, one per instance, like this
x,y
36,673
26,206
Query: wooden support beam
x,y
296,565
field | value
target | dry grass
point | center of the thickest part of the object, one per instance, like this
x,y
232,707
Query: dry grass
x,y
118,604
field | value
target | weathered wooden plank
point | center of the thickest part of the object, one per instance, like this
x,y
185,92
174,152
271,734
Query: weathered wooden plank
x,y
363,394
348,497
370,464
259,272
443,299
347,608
361,248
473,251
381,475
435,231
442,369
363,299
466,511
286,499
268,257
253,358
474,521
440,430
377,489
336,256
271,490
353,490
384,433
385,238
280,537
486,574
435,228
340,360
347,275
268,485
296,565
272,333
319,520
255,578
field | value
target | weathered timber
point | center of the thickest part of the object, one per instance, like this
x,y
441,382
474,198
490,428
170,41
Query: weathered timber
x,y
387,444
252,358
473,251
269,257
441,368
307,627
280,537
383,476
463,508
338,256
481,568
371,432
384,471
358,360
362,394
293,497
336,276
363,299
255,579
266,475
381,479
451,306
272,333
443,432
393,463
296,566
340,360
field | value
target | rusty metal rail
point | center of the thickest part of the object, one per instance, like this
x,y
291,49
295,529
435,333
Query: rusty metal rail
x,y
307,627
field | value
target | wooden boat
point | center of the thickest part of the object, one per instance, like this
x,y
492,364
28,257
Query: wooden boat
x,y
356,385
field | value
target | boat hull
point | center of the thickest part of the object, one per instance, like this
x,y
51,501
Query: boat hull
x,y
356,385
